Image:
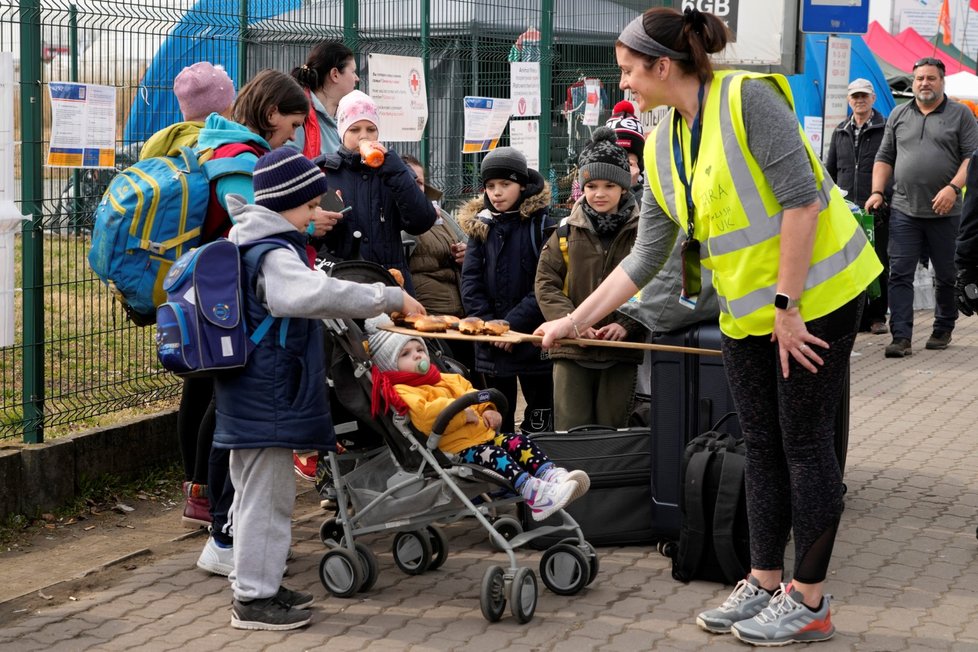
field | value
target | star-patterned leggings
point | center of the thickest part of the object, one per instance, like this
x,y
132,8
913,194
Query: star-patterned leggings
x,y
510,456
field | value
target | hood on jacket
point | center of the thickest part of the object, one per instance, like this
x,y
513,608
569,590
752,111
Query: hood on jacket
x,y
252,222
537,197
169,140
218,131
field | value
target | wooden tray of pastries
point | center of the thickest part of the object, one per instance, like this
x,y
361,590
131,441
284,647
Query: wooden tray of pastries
x,y
447,327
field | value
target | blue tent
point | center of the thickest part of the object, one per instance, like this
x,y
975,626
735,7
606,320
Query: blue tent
x,y
207,32
808,87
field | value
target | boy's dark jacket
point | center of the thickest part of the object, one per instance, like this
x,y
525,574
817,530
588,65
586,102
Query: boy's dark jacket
x,y
385,201
499,271
590,264
279,399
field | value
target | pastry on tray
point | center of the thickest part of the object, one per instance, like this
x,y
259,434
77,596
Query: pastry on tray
x,y
496,327
471,326
430,324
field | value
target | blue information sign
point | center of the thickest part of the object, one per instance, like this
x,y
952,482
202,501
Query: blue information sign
x,y
835,16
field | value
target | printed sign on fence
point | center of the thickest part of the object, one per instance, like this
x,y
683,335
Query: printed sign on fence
x,y
397,85
524,88
82,125
524,136
485,120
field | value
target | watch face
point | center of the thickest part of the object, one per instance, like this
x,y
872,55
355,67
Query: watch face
x,y
781,301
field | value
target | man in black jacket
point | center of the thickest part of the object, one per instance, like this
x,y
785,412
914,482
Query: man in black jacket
x,y
850,162
966,252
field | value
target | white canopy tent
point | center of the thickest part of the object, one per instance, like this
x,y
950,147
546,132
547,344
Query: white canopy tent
x,y
962,85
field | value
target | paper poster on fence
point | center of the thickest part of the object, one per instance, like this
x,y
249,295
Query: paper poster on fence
x,y
485,120
813,129
524,88
524,136
592,108
397,85
82,125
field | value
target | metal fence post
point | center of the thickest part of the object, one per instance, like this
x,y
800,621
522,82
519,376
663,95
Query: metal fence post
x,y
75,221
351,24
32,193
242,43
546,79
426,71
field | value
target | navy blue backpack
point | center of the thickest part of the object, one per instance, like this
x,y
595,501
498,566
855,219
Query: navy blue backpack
x,y
201,328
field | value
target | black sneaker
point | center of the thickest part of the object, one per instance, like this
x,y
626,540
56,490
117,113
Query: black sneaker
x,y
898,348
294,599
938,340
267,614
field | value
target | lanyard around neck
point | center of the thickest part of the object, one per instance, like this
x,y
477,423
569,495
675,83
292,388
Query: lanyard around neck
x,y
696,133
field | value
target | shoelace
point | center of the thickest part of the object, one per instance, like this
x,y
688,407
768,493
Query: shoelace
x,y
738,595
781,603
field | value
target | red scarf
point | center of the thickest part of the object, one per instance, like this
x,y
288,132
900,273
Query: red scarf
x,y
384,396
311,128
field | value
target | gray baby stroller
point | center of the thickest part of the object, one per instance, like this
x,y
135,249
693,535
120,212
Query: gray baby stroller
x,y
407,486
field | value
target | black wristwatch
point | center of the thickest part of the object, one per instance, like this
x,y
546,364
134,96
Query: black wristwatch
x,y
784,302
957,191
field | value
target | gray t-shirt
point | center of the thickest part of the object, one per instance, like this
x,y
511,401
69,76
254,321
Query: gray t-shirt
x,y
926,152
774,140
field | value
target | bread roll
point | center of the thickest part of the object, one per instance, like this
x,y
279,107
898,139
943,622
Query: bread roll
x,y
451,320
430,324
496,327
411,319
471,326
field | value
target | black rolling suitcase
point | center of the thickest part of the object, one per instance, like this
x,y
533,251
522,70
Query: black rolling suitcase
x,y
689,394
617,510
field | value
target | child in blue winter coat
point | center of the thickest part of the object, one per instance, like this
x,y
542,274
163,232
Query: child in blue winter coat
x,y
507,226
279,401
385,200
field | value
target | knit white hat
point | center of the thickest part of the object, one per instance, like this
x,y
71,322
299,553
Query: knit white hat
x,y
354,107
385,346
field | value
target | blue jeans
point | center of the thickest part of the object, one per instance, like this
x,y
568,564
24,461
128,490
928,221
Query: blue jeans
x,y
908,238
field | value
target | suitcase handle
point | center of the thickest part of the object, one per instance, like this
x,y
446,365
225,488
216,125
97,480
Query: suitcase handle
x,y
590,427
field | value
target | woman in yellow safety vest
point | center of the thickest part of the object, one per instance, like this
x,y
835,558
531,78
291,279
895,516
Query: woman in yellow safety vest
x,y
730,171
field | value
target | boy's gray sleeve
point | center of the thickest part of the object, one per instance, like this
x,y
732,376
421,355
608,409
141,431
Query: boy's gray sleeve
x,y
289,288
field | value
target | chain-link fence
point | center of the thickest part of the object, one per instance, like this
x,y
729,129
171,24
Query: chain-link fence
x,y
75,356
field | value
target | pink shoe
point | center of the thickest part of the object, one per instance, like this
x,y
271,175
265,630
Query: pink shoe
x,y
196,508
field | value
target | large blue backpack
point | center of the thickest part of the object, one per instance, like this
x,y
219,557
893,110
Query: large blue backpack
x,y
201,328
150,215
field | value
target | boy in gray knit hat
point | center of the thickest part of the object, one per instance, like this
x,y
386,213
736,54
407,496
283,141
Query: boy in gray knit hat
x,y
592,384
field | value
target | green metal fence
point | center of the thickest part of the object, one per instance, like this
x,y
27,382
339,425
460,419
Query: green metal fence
x,y
75,356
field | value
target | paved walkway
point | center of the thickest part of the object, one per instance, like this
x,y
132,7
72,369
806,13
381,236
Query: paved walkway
x,y
904,574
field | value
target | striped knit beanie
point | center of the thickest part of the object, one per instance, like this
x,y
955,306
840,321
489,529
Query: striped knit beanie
x,y
284,179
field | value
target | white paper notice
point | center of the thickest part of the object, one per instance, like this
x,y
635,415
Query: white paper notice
x,y
592,109
82,125
813,129
485,119
524,87
524,136
397,85
837,59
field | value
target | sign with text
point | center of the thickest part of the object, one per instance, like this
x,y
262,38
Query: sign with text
x,y
524,136
82,125
757,39
725,10
397,86
838,55
835,16
524,88
485,120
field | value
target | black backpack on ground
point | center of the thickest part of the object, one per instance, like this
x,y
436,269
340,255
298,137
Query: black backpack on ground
x,y
714,544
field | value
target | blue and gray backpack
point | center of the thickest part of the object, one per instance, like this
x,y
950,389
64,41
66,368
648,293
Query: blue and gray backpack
x,y
201,329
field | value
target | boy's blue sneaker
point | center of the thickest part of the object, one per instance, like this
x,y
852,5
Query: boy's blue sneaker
x,y
786,620
745,601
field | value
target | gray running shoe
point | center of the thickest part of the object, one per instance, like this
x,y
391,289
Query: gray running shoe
x,y
745,601
267,614
294,599
786,620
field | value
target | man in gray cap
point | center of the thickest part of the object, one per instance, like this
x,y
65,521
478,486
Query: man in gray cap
x,y
926,149
852,151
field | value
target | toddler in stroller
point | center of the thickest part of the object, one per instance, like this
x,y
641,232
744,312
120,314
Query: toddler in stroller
x,y
404,379
392,480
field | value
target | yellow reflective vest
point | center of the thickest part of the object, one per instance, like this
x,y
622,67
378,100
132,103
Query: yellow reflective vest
x,y
738,220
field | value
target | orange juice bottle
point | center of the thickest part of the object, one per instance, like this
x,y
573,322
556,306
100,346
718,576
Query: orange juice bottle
x,y
371,156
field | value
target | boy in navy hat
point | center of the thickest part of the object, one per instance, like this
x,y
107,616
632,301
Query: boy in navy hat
x,y
278,402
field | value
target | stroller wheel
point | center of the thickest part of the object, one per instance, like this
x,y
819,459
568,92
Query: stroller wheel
x,y
508,527
331,533
492,597
564,569
340,572
589,552
523,595
412,551
368,561
439,547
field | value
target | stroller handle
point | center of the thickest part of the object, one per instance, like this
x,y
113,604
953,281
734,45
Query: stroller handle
x,y
491,395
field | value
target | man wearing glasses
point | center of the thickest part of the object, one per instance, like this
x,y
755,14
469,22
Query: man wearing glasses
x,y
926,147
850,162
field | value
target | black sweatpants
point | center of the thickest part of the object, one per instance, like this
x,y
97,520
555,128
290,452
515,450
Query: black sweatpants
x,y
793,480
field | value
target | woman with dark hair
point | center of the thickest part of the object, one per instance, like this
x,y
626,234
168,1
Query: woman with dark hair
x,y
731,169
329,73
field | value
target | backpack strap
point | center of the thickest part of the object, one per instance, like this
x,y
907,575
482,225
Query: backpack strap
x,y
693,534
563,230
725,512
253,254
228,161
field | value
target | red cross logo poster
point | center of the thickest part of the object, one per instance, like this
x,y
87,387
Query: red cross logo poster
x,y
397,85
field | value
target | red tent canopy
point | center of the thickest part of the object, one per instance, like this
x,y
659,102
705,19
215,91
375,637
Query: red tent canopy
x,y
903,51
